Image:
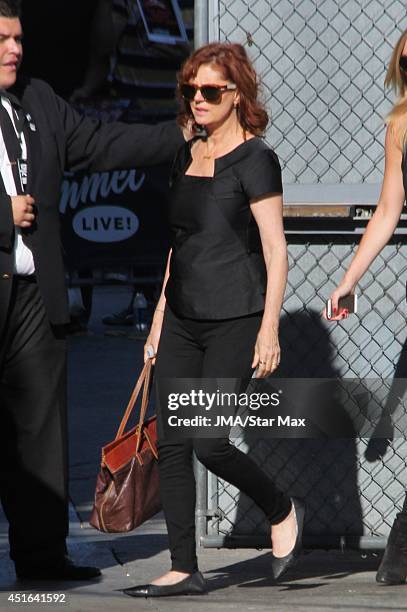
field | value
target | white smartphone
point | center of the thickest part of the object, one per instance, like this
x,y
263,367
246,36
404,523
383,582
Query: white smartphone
x,y
350,302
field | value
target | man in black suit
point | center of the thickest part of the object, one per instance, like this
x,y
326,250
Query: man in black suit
x,y
40,136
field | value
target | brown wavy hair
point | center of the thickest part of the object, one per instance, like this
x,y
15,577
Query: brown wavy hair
x,y
395,78
234,63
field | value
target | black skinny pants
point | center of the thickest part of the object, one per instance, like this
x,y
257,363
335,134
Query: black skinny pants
x,y
192,348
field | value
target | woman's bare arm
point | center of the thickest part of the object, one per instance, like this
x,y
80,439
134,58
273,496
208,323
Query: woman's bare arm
x,y
381,226
151,345
268,213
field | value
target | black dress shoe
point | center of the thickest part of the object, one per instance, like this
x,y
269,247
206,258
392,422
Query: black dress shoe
x,y
393,567
194,584
280,565
62,569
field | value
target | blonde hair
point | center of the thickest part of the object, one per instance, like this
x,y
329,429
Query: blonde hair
x,y
397,80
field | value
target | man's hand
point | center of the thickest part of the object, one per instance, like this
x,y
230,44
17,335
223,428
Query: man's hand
x,y
192,129
187,131
23,210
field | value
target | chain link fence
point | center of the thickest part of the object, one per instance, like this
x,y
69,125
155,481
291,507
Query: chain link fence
x,y
322,64
353,487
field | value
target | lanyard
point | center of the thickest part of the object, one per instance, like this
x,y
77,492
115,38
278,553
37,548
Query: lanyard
x,y
19,125
13,140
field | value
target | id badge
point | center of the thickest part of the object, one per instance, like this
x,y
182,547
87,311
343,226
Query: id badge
x,y
23,170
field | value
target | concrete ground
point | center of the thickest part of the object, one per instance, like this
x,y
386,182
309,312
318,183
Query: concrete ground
x,y
102,369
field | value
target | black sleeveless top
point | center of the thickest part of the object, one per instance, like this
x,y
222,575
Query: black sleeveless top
x,y
217,269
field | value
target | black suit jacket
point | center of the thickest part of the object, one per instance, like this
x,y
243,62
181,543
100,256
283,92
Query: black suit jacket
x,y
65,139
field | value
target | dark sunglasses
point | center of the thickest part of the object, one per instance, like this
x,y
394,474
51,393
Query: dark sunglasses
x,y
403,63
210,93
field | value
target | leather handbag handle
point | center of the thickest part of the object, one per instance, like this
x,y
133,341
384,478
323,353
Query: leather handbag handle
x,y
144,404
144,379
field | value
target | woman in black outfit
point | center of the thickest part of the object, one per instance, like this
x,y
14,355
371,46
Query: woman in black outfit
x,y
393,567
219,310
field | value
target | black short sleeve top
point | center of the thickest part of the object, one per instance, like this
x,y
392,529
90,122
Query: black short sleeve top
x,y
217,268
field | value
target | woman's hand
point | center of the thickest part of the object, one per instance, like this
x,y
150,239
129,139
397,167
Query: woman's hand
x,y
153,339
266,351
344,288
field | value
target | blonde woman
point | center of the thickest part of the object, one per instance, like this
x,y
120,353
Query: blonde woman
x,y
393,568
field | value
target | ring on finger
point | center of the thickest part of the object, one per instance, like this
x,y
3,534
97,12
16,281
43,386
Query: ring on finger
x,y
150,351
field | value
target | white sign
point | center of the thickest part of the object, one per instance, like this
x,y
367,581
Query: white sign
x,y
105,223
163,21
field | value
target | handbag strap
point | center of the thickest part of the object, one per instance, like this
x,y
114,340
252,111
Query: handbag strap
x,y
144,404
143,379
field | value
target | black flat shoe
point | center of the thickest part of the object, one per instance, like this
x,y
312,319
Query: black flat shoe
x,y
194,584
280,565
62,569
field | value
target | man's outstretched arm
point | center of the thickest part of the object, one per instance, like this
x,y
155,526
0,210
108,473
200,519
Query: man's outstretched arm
x,y
91,144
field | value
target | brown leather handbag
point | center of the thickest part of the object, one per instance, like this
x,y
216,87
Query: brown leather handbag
x,y
127,488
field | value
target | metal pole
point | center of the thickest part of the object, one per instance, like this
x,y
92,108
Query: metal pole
x,y
201,23
201,478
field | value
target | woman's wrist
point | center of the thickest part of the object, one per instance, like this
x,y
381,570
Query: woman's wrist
x,y
349,280
270,324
